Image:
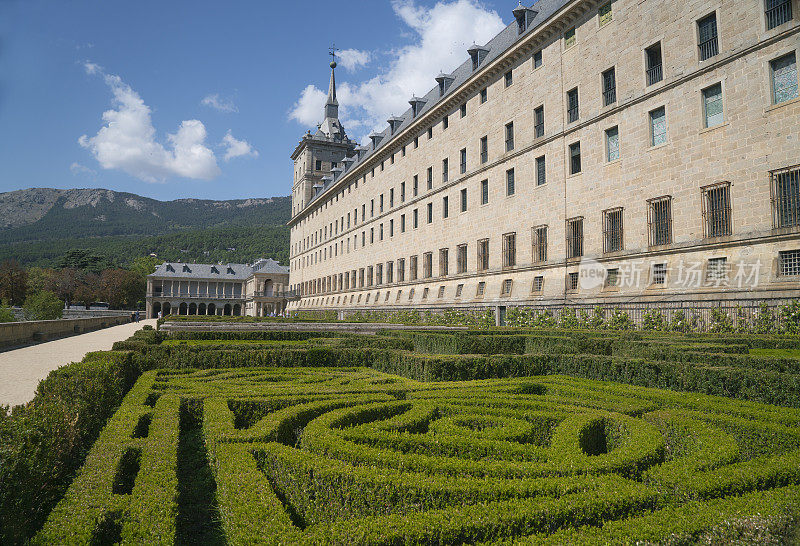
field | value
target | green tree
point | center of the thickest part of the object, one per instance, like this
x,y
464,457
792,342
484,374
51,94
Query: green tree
x,y
43,305
13,282
6,315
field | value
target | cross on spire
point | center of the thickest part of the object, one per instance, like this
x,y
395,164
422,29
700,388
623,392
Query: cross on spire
x,y
332,52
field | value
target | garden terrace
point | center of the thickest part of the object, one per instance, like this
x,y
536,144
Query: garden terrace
x,y
351,455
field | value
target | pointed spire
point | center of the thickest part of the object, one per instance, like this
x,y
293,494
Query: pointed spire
x,y
330,126
332,105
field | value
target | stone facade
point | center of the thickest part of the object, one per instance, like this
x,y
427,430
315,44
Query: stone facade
x,y
255,290
684,203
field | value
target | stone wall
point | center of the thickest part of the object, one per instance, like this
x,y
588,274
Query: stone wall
x,y
20,333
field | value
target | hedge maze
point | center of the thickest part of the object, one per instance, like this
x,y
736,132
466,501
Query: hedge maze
x,y
235,439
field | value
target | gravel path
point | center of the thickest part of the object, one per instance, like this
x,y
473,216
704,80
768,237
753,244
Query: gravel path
x,y
22,369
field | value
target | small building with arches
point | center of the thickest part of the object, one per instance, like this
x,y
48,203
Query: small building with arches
x,y
259,289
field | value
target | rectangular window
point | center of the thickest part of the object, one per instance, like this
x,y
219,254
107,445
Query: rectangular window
x,y
430,133
612,230
538,284
371,208
381,203
430,178
540,244
717,270
484,95
430,213
445,207
412,268
777,12
481,289
459,290
371,235
425,293
391,198
659,219
510,182
444,262
509,136
401,270
379,274
463,162
654,72
441,292
318,165
369,276
391,228
789,263
402,192
402,223
463,109
445,123
574,238
416,218
505,289
604,14
509,78
712,105
461,259
427,265
659,273
612,276
538,123
509,250
464,200
717,210
415,186
483,255
541,171
569,38
573,112
484,192
784,78
612,144
658,126
484,149
785,189
416,142
575,158
708,41
572,281
537,59
609,87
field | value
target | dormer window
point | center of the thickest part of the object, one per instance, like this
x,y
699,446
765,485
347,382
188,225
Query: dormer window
x,y
214,269
186,269
170,268
231,271
444,81
524,17
375,138
394,123
477,54
416,105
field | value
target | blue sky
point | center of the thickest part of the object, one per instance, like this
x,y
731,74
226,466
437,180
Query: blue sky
x,y
207,99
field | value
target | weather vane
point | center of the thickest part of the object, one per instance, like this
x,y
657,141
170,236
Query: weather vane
x,y
332,52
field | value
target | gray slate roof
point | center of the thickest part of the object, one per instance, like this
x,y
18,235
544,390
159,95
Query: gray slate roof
x,y
496,46
221,272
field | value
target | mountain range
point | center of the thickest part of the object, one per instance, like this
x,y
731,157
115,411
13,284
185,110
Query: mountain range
x,y
38,225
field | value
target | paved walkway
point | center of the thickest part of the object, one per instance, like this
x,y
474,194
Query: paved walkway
x,y
22,369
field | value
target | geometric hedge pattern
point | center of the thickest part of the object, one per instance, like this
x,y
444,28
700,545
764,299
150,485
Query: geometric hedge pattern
x,y
356,456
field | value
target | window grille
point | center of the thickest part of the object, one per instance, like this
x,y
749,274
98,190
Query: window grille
x,y
659,273
717,270
509,136
461,259
785,186
441,292
612,230
444,262
712,105
445,170
464,200
778,12
481,289
572,105
389,272
508,284
401,270
483,254
609,87
459,290
575,158
572,281
412,269
430,213
463,164
658,126
612,276
717,210
379,274
538,284
538,122
789,263
659,221
605,14
510,182
655,71
541,171
575,238
540,244
427,265
484,192
484,149
784,78
510,250
430,178
612,144
707,31
445,207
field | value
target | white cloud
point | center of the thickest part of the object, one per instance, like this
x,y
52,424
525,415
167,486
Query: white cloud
x,y
237,148
440,37
308,108
351,59
81,170
127,140
218,103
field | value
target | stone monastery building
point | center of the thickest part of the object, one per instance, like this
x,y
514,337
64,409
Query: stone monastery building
x,y
593,151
